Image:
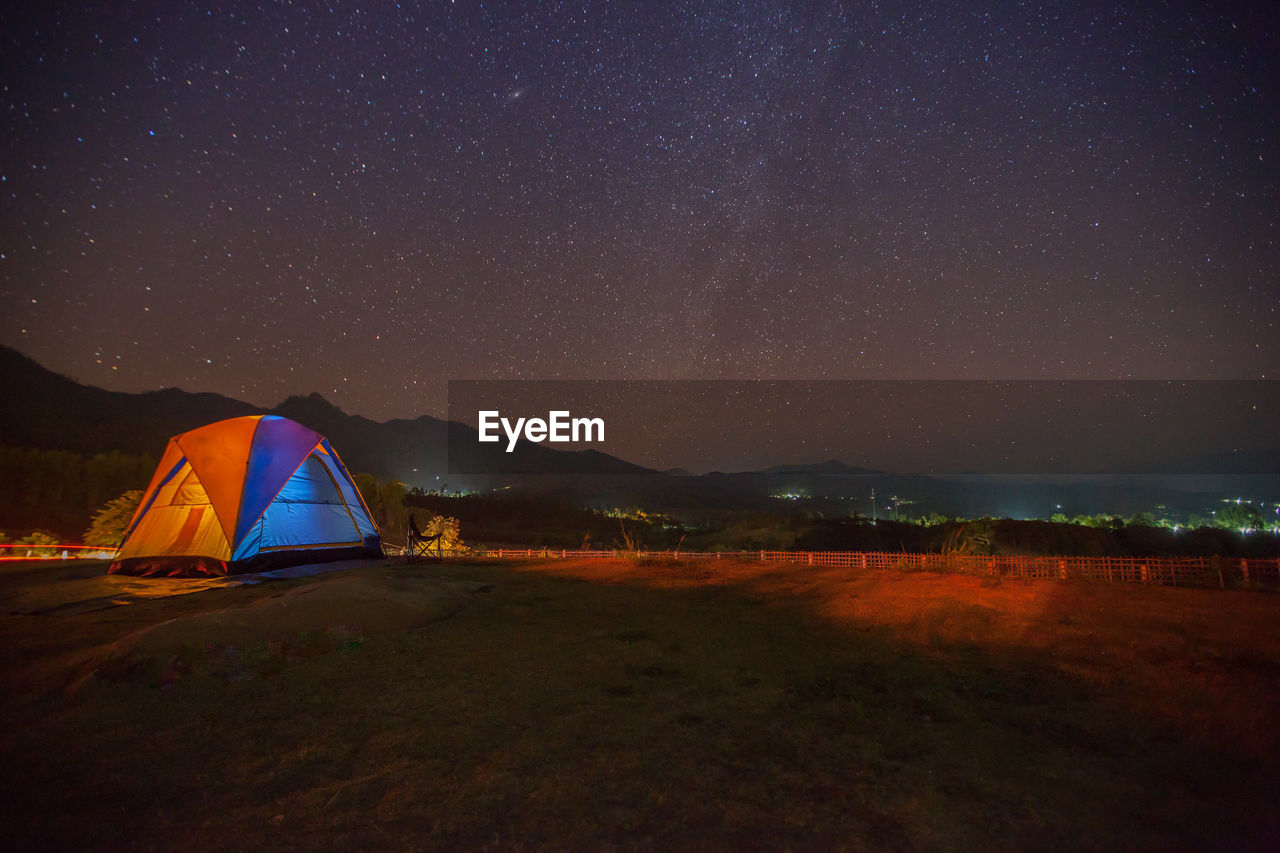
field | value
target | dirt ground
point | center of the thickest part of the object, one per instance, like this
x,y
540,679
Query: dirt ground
x,y
588,704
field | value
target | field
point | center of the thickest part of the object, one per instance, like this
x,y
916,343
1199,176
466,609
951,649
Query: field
x,y
589,704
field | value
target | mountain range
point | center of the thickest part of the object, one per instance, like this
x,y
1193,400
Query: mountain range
x,y
48,411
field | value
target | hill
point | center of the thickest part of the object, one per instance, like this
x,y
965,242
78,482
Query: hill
x,y
52,414
830,468
47,411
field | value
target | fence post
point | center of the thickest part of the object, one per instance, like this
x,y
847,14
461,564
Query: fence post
x,y
762,556
1144,572
1062,569
1244,570
811,558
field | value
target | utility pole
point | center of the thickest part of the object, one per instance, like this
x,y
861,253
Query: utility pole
x,y
873,505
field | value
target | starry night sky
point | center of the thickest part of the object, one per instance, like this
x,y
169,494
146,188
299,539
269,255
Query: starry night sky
x,y
365,201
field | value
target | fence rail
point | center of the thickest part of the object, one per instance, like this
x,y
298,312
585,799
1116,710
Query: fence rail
x,y
25,551
1171,571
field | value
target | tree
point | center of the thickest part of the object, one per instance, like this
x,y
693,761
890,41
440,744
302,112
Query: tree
x,y
113,472
368,486
386,502
973,538
447,526
39,537
394,515
1238,516
112,519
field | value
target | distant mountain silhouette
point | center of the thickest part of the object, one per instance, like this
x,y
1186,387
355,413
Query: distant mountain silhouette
x,y
830,468
48,411
51,412
45,410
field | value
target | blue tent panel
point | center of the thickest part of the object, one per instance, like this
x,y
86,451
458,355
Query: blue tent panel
x,y
349,492
317,507
313,525
310,484
279,447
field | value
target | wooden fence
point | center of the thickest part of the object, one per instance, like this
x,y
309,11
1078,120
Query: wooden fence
x,y
1173,571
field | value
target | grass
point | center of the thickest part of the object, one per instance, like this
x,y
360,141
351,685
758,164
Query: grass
x,y
606,704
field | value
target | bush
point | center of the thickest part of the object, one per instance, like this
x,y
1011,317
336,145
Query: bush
x,y
451,538
38,537
112,520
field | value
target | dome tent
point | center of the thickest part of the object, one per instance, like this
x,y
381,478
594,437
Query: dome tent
x,y
244,495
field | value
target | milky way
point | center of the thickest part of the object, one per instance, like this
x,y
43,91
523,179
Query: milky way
x,y
365,201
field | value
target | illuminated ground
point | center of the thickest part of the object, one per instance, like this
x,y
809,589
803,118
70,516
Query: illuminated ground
x,y
590,704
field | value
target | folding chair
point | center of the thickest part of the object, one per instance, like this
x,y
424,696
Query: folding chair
x,y
420,546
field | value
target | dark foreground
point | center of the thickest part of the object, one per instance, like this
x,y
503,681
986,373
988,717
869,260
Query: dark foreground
x,y
612,704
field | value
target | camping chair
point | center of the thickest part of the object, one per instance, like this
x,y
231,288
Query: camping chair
x,y
418,545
